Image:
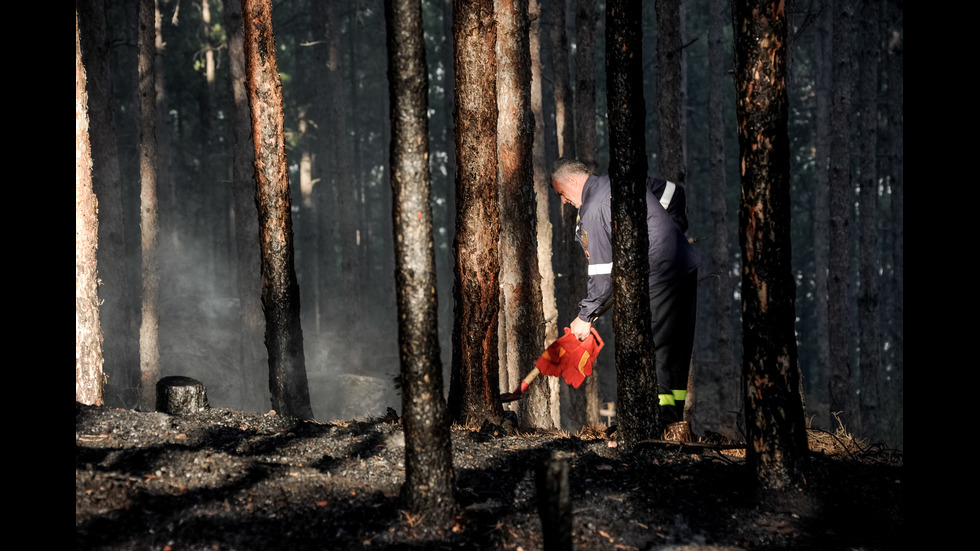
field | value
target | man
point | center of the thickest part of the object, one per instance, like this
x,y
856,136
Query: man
x,y
673,272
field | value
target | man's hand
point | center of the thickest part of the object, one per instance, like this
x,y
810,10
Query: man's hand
x,y
580,328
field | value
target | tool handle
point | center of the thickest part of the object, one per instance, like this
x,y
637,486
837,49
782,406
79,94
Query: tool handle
x,y
532,375
602,309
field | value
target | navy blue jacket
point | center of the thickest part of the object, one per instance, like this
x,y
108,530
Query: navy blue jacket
x,y
670,254
672,197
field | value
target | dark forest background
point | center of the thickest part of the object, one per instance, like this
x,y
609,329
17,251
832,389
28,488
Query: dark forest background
x,y
332,61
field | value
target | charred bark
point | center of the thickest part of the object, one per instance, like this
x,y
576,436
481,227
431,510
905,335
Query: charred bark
x,y
89,380
555,504
585,132
670,91
585,399
181,396
841,201
776,436
895,162
635,361
821,203
572,264
118,279
474,393
542,194
564,118
868,305
280,291
429,479
522,312
726,373
248,280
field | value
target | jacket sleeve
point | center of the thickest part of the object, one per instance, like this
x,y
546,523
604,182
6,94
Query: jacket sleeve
x,y
595,237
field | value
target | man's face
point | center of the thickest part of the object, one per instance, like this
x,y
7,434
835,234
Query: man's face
x,y
567,194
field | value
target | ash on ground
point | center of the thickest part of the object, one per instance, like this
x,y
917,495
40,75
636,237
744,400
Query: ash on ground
x,y
231,480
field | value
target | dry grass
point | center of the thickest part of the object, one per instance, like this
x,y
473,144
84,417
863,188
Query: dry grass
x,y
593,432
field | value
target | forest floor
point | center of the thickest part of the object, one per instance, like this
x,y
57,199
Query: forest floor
x,y
231,480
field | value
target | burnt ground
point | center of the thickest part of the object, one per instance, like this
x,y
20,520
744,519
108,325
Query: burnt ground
x,y
226,479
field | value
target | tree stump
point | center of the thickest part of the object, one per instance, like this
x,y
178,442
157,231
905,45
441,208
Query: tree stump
x,y
678,432
179,395
555,505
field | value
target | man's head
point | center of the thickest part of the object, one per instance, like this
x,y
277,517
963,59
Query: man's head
x,y
568,177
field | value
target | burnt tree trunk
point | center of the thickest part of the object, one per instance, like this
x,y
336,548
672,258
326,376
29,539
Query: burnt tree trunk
x,y
635,361
726,374
571,262
868,304
895,162
89,380
585,132
542,194
776,436
474,393
564,118
521,311
118,278
821,203
841,201
555,504
585,399
280,291
248,280
670,91
429,478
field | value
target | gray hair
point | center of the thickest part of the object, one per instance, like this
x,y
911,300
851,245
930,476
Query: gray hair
x,y
565,167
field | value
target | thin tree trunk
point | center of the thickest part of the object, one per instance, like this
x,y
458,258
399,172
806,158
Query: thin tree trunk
x,y
585,115
868,305
585,399
726,373
248,280
444,184
519,276
318,224
542,194
166,189
896,179
775,426
280,291
636,377
572,263
309,261
671,97
89,379
215,223
838,283
346,191
149,232
429,477
671,122
821,201
449,93
474,393
564,118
